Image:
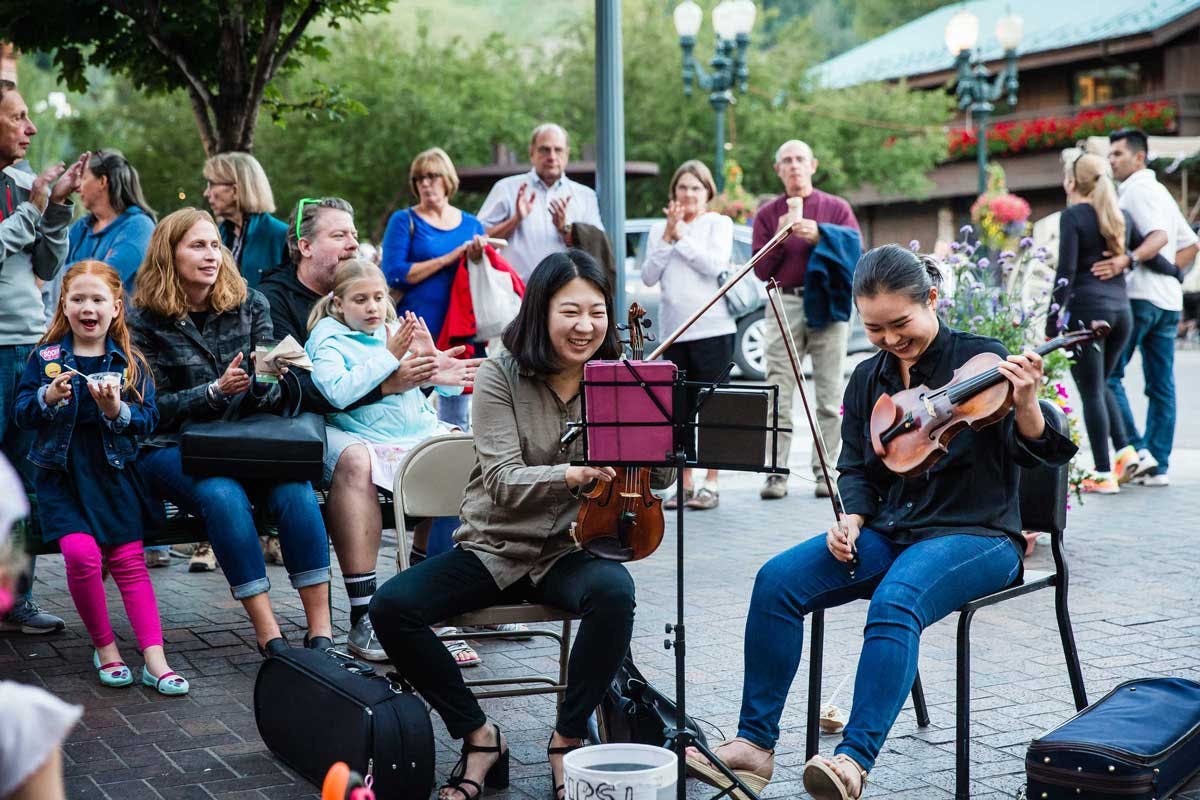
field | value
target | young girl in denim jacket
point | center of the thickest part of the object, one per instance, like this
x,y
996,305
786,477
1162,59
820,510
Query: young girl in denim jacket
x,y
88,394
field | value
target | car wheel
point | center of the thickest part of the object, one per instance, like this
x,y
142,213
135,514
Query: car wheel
x,y
749,348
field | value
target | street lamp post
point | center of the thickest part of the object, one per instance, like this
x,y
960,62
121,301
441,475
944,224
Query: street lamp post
x,y
732,21
976,89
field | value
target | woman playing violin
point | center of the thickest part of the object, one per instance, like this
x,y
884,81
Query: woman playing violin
x,y
926,544
514,543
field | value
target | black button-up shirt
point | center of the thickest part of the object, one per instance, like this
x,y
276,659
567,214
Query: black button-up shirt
x,y
972,489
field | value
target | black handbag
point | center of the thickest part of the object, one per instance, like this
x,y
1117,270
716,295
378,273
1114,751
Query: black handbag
x,y
289,446
1139,742
634,711
315,708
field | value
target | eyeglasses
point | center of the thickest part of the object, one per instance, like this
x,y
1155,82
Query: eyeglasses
x,y
428,176
300,211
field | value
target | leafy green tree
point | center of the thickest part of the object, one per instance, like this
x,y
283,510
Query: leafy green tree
x,y
223,55
876,17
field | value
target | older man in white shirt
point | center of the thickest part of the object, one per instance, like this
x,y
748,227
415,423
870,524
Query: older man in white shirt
x,y
1157,301
535,210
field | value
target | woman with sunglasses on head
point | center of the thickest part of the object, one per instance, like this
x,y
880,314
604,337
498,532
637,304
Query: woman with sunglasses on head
x,y
422,247
117,227
237,190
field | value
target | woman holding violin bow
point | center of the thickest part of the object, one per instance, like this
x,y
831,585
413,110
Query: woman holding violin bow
x,y
923,531
514,543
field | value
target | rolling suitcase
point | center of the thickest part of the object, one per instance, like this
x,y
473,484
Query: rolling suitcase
x,y
316,708
1141,741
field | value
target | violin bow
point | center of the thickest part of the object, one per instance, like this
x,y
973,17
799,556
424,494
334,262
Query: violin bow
x,y
835,496
771,244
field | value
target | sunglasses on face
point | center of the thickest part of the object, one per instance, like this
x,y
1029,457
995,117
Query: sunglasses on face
x,y
428,176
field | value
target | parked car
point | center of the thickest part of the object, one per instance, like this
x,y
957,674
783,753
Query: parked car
x,y
749,352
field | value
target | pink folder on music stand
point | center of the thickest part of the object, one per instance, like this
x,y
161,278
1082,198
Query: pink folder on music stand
x,y
621,398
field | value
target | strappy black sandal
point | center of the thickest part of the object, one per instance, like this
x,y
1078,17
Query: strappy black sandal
x,y
496,777
560,751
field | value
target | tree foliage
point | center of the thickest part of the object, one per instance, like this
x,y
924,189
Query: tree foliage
x,y
420,90
223,55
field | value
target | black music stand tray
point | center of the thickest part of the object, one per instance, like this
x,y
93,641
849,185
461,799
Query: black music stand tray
x,y
679,738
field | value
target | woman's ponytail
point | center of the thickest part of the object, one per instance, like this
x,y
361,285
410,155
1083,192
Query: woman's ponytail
x,y
1095,185
321,310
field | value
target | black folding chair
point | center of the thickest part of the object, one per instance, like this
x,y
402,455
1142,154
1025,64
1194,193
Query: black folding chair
x,y
1043,496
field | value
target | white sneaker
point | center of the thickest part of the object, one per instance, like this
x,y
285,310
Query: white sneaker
x,y
1157,479
1146,465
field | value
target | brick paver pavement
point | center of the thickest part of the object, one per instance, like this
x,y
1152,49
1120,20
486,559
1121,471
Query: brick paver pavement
x,y
1133,599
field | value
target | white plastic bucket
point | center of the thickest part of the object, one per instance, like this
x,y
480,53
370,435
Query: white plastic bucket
x,y
620,772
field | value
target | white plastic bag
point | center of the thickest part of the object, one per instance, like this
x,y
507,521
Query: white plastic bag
x,y
496,303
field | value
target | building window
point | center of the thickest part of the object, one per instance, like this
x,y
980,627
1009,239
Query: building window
x,y
1104,84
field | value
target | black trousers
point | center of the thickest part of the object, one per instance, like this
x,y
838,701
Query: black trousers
x,y
1091,368
703,360
456,582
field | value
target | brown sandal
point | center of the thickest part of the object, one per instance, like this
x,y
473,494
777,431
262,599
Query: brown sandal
x,y
823,781
705,498
672,502
705,771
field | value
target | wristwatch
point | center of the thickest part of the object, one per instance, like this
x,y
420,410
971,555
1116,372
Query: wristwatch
x,y
216,398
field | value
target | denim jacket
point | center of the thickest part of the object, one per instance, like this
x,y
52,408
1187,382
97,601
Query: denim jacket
x,y
55,423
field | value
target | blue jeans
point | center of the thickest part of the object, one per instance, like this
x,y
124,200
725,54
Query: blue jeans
x,y
14,443
225,506
455,410
1154,333
910,589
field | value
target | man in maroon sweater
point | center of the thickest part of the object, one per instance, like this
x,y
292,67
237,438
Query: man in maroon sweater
x,y
787,264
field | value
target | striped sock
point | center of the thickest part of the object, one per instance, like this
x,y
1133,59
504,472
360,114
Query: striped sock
x,y
415,555
360,588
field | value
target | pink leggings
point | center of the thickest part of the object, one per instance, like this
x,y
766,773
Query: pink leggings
x,y
86,583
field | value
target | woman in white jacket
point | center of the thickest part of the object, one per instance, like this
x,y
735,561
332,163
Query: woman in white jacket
x,y
686,253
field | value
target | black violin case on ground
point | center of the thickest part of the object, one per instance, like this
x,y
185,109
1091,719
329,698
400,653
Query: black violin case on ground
x,y
1141,741
315,708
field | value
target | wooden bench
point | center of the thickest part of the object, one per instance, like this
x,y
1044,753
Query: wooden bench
x,y
183,528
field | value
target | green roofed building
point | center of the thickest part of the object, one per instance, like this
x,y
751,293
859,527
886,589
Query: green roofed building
x,y
1085,67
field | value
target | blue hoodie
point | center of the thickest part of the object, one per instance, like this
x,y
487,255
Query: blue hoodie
x,y
122,244
347,364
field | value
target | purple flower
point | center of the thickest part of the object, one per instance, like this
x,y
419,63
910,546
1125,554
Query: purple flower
x,y
972,247
1026,242
1061,282
956,246
966,230
1042,253
914,245
984,263
1054,307
1007,255
1066,409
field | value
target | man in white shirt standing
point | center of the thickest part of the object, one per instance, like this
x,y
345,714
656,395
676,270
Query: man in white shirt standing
x,y
1157,302
534,211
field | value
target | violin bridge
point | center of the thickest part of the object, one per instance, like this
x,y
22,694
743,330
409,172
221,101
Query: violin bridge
x,y
631,495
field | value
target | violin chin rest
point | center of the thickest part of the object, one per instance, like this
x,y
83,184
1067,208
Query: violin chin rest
x,y
609,548
884,415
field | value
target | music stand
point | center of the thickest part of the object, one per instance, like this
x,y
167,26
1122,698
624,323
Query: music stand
x,y
736,401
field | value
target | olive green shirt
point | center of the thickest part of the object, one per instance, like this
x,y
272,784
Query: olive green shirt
x,y
517,509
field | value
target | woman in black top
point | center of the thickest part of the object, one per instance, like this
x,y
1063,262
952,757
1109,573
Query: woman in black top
x,y
926,544
1091,229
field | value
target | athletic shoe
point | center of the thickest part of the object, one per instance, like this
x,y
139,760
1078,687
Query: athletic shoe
x,y
1147,464
775,488
516,631
1100,483
362,641
1125,465
28,617
158,558
203,559
1157,479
